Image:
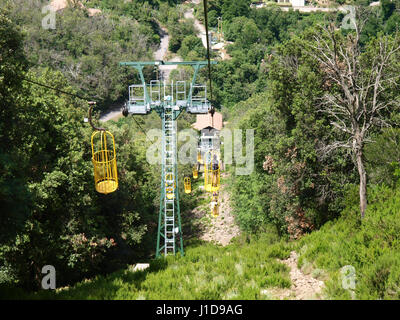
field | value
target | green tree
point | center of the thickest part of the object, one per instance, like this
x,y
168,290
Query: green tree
x,y
383,157
14,196
235,8
388,8
192,44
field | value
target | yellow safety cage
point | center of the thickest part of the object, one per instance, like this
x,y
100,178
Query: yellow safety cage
x,y
199,160
169,178
170,193
103,158
215,205
211,172
195,172
170,185
188,185
104,161
215,210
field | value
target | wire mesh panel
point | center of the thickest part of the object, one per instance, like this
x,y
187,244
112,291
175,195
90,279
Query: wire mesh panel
x,y
180,95
155,92
169,90
136,94
211,172
199,93
198,102
188,185
215,205
104,162
137,99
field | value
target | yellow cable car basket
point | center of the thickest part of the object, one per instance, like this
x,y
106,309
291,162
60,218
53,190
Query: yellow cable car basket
x,y
195,172
199,160
170,193
215,210
104,162
211,174
169,178
215,205
188,185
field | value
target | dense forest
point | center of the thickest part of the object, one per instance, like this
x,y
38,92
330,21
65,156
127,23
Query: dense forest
x,y
324,104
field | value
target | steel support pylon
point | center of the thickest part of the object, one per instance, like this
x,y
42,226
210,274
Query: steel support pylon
x,y
143,99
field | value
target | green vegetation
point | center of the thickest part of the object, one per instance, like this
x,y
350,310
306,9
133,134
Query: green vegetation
x,y
87,49
296,185
299,197
370,246
238,271
244,269
45,163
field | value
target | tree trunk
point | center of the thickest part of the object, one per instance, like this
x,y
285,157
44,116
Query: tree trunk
x,y
363,182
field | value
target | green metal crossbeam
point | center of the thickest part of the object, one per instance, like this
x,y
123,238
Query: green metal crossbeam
x,y
139,65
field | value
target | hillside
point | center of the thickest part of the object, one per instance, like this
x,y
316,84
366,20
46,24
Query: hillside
x,y
259,268
309,149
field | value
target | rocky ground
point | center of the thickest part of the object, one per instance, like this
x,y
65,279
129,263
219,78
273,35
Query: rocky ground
x,y
304,286
220,229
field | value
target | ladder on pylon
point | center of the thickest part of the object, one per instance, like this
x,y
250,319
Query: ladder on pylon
x,y
169,159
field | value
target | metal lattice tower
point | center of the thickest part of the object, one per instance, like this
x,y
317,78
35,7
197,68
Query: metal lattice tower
x,y
168,100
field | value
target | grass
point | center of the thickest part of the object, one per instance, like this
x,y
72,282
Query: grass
x,y
239,271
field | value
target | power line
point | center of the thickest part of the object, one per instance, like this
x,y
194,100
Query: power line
x,y
55,89
141,128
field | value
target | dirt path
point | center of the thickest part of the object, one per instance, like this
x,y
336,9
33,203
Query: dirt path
x,y
304,286
162,53
114,114
220,229
202,34
62,4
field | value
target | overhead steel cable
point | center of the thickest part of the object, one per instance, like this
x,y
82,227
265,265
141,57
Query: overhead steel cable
x,y
55,89
91,103
208,55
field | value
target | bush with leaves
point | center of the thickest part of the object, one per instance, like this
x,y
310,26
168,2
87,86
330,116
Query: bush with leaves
x,y
383,157
87,49
56,217
371,246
